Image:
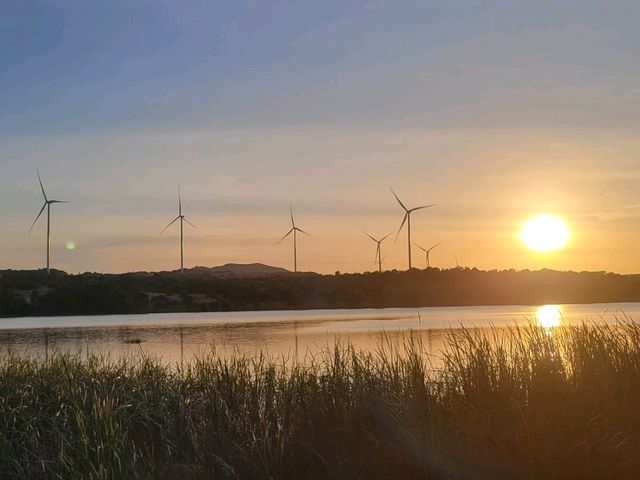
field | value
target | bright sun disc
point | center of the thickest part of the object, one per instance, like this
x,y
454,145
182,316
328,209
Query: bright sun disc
x,y
544,233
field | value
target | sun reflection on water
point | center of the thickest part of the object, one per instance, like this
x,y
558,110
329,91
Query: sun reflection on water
x,y
549,316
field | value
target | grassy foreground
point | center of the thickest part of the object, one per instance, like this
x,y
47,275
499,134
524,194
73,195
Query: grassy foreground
x,y
508,404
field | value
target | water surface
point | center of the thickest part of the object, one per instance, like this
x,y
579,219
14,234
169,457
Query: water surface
x,y
294,333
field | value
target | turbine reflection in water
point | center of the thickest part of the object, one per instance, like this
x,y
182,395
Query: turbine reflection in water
x,y
549,316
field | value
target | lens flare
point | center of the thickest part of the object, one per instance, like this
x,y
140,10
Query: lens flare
x,y
70,245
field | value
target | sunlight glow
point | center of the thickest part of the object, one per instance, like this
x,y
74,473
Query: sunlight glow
x,y
549,316
545,233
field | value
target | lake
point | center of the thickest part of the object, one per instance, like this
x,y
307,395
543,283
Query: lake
x,y
181,336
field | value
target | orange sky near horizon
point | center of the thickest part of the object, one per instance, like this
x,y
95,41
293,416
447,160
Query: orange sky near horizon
x,y
477,219
495,112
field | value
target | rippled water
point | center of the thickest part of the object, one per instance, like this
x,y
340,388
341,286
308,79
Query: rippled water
x,y
181,336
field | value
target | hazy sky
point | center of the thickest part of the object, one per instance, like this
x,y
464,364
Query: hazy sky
x,y
494,110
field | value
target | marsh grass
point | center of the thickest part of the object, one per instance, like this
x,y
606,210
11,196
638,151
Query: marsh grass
x,y
523,403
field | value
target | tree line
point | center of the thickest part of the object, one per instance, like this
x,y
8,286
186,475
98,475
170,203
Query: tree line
x,y
26,293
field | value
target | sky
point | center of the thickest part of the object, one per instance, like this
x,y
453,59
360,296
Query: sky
x,y
493,110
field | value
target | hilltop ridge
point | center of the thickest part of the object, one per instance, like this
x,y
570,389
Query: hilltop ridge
x,y
241,270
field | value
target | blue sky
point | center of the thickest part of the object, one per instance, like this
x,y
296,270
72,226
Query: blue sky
x,y
117,65
494,110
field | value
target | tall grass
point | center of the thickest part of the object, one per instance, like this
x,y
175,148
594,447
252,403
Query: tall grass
x,y
498,404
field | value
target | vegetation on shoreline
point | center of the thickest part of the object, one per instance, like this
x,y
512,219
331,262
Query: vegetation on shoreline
x,y
499,404
26,293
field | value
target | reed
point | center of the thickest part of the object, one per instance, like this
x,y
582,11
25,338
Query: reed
x,y
521,403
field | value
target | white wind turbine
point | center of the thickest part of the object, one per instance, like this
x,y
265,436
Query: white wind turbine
x,y
427,251
47,204
295,231
378,249
407,219
182,219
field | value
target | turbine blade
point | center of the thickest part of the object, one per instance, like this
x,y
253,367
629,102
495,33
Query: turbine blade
x,y
423,249
385,237
41,186
399,201
377,253
179,202
293,222
285,236
170,223
58,201
185,219
404,220
424,206
435,246
38,216
302,231
370,236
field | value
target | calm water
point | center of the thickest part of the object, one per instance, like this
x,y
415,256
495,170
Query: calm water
x,y
177,336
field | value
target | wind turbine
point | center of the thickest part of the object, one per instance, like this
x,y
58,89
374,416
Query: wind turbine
x,y
295,231
407,219
182,219
428,251
47,204
378,250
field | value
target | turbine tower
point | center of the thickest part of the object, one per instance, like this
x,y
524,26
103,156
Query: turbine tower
x,y
378,250
428,251
407,219
295,231
47,204
182,219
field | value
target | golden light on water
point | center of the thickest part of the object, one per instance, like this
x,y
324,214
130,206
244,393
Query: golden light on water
x,y
549,316
545,233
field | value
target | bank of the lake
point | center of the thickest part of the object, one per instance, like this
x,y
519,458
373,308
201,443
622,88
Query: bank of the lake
x,y
529,403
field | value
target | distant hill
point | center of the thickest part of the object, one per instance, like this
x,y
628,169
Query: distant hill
x,y
242,270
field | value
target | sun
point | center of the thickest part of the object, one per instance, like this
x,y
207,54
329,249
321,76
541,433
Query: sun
x,y
545,233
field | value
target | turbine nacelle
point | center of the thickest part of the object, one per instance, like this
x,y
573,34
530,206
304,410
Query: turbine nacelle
x,y
293,226
294,229
375,239
427,250
46,201
407,211
180,215
378,243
